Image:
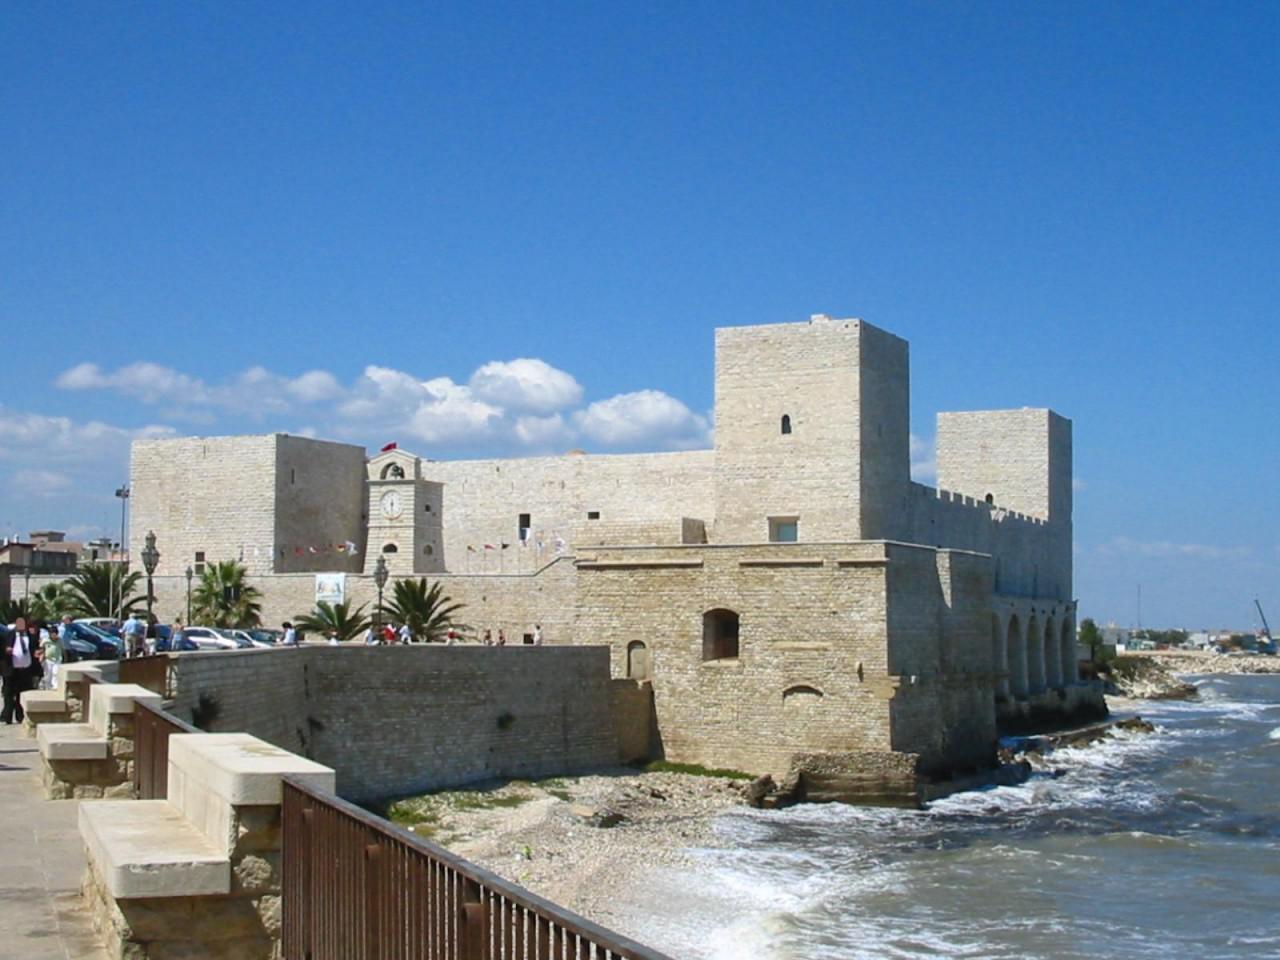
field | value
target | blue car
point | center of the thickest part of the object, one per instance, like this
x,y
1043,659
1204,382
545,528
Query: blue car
x,y
85,642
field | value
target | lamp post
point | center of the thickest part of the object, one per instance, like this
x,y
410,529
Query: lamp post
x,y
380,574
150,559
123,494
190,573
26,595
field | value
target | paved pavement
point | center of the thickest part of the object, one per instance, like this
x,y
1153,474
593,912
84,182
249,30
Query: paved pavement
x,y
41,864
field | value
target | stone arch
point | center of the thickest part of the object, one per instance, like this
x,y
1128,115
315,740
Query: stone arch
x,y
1000,656
1016,646
393,471
390,548
1067,652
720,634
1052,656
639,666
1035,656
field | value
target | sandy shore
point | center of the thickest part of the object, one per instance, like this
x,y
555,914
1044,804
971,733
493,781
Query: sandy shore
x,y
581,842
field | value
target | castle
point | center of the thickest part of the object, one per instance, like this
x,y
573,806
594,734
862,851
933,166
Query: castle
x,y
790,591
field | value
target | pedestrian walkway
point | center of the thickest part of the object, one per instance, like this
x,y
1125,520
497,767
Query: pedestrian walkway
x,y
41,864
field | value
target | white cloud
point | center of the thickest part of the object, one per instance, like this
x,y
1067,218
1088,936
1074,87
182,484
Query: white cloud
x,y
33,437
643,417
924,460
526,384
1125,546
543,431
40,483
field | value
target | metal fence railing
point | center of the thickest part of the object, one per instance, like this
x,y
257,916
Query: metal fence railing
x,y
151,672
151,731
357,887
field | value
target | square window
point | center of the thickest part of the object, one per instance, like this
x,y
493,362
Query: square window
x,y
593,514
784,529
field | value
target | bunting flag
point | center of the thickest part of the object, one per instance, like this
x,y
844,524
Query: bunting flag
x,y
505,546
470,549
488,546
389,447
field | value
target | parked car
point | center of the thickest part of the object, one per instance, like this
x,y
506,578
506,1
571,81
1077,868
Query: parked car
x,y
265,638
212,638
165,643
104,624
88,642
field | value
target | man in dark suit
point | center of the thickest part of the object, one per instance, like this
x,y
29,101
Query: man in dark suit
x,y
17,658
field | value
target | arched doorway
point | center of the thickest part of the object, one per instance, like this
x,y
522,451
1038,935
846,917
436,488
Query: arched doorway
x,y
719,635
1052,657
1035,656
999,657
638,665
1016,645
1067,652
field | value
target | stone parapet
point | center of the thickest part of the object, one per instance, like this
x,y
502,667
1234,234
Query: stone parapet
x,y
94,759
42,706
197,874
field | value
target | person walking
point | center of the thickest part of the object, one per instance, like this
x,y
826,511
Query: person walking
x,y
51,655
537,634
133,630
16,658
488,638
502,638
153,632
290,635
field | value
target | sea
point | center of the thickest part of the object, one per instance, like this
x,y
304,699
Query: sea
x,y
1142,846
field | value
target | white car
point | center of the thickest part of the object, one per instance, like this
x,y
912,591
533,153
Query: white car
x,y
213,638
247,637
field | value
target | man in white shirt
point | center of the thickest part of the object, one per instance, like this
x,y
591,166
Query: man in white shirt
x,y
290,635
406,635
16,657
133,636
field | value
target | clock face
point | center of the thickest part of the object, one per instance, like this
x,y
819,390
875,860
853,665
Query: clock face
x,y
392,504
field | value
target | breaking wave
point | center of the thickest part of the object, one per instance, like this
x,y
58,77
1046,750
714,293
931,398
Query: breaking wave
x,y
1068,864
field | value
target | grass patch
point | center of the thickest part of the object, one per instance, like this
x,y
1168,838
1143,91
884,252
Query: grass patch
x,y
693,769
430,809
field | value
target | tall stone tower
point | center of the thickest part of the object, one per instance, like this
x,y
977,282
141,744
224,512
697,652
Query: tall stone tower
x,y
812,432
405,523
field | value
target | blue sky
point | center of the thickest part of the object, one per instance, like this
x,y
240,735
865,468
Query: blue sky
x,y
352,220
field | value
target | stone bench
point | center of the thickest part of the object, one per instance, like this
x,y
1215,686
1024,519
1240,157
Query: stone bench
x,y
43,706
94,759
197,874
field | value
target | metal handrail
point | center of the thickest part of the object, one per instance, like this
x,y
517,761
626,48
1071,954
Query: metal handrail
x,y
152,728
460,910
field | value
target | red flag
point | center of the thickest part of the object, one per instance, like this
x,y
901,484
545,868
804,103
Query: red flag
x,y
388,447
488,546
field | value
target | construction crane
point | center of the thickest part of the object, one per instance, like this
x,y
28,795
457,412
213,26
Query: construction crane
x,y
1269,645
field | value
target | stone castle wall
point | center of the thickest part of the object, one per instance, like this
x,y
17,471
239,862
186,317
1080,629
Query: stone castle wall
x,y
262,500
400,720
483,500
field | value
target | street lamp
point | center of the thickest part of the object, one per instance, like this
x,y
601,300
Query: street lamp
x,y
123,494
190,573
150,559
380,574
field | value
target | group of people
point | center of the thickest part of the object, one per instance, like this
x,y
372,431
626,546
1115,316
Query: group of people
x,y
30,655
501,640
387,634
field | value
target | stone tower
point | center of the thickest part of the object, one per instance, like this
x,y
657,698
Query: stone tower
x,y
405,523
812,432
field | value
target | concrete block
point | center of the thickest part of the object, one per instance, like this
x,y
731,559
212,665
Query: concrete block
x,y
71,741
241,769
44,701
108,698
145,848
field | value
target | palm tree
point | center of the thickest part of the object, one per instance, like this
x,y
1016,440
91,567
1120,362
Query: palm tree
x,y
98,589
11,610
334,618
50,602
223,599
427,610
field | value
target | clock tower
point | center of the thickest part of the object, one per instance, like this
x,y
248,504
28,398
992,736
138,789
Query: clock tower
x,y
405,525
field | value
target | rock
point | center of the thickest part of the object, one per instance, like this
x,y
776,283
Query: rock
x,y
759,788
657,794
593,817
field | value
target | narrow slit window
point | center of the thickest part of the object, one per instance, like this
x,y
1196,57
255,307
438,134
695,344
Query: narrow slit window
x,y
786,423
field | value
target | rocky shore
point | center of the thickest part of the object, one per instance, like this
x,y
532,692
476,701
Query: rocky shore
x,y
1196,661
1145,678
581,842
